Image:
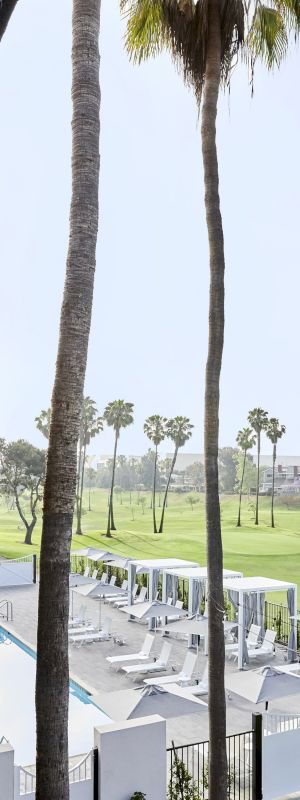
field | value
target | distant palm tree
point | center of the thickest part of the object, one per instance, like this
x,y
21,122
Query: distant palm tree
x,y
274,432
179,430
43,422
258,419
155,429
91,424
246,440
117,415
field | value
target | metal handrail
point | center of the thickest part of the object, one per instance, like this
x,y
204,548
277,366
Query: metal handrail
x,y
9,610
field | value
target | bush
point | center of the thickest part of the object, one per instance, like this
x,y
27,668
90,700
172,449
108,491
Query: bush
x,y
138,796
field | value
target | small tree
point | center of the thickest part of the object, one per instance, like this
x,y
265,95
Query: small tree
x,y
258,419
181,784
179,430
274,432
245,440
22,470
192,500
155,429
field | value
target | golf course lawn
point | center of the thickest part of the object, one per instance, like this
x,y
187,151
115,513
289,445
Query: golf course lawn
x,y
250,549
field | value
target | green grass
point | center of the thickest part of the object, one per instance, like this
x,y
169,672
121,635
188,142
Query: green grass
x,y
252,550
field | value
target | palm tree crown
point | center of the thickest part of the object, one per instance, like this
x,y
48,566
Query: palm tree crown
x,y
91,424
179,430
257,29
274,430
258,419
118,414
246,439
155,427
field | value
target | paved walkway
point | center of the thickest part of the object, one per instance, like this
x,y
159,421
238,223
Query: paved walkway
x,y
88,664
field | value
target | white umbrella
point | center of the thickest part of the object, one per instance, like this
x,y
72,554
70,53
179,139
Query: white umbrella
x,y
144,701
263,684
98,590
151,610
89,552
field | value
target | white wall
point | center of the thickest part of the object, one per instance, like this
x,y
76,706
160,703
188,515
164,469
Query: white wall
x,y
132,757
280,764
16,573
6,772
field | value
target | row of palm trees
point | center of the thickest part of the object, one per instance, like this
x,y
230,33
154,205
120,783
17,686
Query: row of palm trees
x,y
246,440
205,40
118,415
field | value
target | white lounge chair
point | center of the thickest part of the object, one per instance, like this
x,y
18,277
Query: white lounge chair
x,y
266,648
86,572
94,574
252,640
104,577
142,595
80,619
123,601
81,630
159,665
143,653
198,688
182,677
111,598
174,618
95,636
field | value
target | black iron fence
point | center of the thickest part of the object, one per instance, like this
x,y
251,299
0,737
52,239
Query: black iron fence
x,y
277,618
187,767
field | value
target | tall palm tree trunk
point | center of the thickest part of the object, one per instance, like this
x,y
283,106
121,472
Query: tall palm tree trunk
x,y
238,524
52,679
273,486
79,514
257,478
161,527
154,492
110,519
216,655
79,457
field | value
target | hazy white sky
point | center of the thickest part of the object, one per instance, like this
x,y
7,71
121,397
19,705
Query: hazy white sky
x,y
149,333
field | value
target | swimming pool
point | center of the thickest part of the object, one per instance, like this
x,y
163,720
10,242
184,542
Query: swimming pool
x,y
17,704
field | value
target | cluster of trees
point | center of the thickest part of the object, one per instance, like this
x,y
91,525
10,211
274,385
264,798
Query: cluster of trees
x,y
246,440
205,39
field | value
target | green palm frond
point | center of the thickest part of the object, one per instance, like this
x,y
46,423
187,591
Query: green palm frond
x,y
268,37
144,36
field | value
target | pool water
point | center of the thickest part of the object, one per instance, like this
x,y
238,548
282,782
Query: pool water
x,y
17,704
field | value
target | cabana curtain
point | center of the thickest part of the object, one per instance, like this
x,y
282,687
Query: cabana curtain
x,y
292,643
174,588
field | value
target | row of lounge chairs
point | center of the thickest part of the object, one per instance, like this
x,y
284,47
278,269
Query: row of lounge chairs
x,y
182,678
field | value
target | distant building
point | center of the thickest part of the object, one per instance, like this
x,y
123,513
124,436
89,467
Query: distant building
x,y
286,478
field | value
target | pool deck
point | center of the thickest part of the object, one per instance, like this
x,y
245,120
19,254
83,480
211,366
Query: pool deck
x,y
89,667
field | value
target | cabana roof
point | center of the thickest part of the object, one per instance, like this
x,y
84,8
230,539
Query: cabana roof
x,y
199,572
163,563
258,584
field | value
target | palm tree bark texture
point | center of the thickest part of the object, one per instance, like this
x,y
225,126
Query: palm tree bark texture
x,y
216,654
52,679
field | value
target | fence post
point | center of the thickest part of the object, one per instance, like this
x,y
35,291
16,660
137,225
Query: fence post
x,y
96,774
257,756
34,568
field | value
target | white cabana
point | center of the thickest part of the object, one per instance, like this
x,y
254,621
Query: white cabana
x,y
244,593
155,567
197,582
